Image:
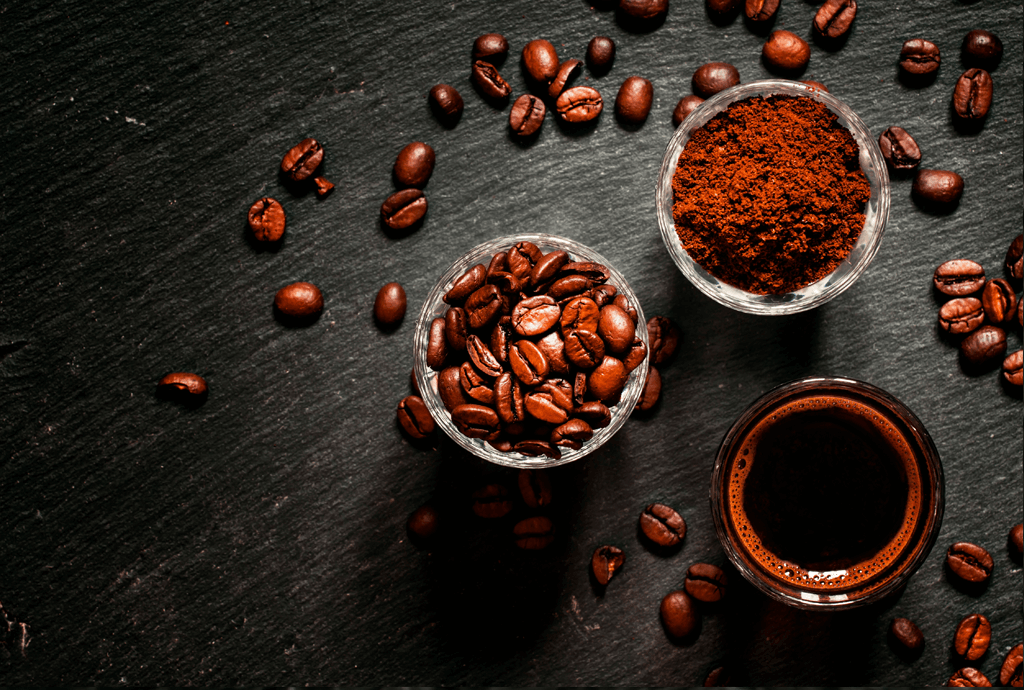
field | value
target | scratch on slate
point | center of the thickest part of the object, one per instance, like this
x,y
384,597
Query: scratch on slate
x,y
13,631
579,616
133,121
11,348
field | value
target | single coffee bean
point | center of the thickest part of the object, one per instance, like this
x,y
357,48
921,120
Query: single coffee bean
x,y
1014,254
600,53
490,47
483,306
835,17
389,307
713,77
1010,673
535,315
486,76
573,434
981,49
919,56
447,103
581,313
961,315
603,294
570,287
527,115
477,421
679,614
299,300
404,209
507,283
414,165
437,344
662,525
899,149
534,447
1016,536
266,220
414,417
605,561
579,104
959,277
584,349
596,272
423,522
596,414
721,677
663,336
535,486
622,303
972,96
906,633
986,344
528,363
498,263
938,187
685,106
323,186
541,406
999,300
182,386
501,338
722,7
466,284
633,103
475,386
456,329
547,268
644,9
705,582
449,388
616,329
1012,372
491,501
969,562
607,380
652,391
508,399
482,358
302,159
522,257
972,637
553,348
761,10
786,51
560,391
968,678
815,84
534,533
635,355
540,60
567,73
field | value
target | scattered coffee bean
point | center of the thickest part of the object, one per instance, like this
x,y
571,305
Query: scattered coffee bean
x,y
652,391
266,220
685,106
540,60
679,614
981,49
1010,673
1014,255
705,582
605,561
835,17
437,344
423,522
906,633
447,103
490,47
999,300
534,533
1016,536
713,77
785,51
938,187
721,677
663,336
535,486
986,344
969,562
1014,375
579,104
323,186
899,149
633,103
491,501
567,73
972,637
968,678
299,300
815,84
761,10
302,159
486,76
961,315
959,277
722,7
600,53
414,165
414,417
182,386
919,56
972,96
389,307
662,525
404,209
644,9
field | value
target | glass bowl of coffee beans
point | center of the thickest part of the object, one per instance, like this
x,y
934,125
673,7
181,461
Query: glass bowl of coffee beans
x,y
772,197
531,351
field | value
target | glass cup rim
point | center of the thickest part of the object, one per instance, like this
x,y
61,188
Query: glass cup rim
x,y
807,297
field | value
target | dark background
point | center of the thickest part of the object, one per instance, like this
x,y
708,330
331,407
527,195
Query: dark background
x,y
260,538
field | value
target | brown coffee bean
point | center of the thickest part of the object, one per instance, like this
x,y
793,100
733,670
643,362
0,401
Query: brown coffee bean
x,y
972,637
607,380
477,421
546,268
622,303
596,414
1012,368
1010,673
456,329
685,106
906,633
266,220
302,159
713,77
972,96
938,187
1016,536
969,562
482,358
590,269
981,49
475,386
986,344
560,391
323,186
541,406
404,209
449,388
414,417
679,614
182,386
389,306
919,56
299,300
534,447
968,678
616,329
961,315
447,103
535,486
663,337
507,283
899,149
652,391
483,306
835,17
540,60
423,522
573,434
491,501
761,10
959,277
414,165
535,315
528,363
437,344
489,80
999,301
579,104
567,73
466,284
1014,254
570,287
581,313
635,355
508,399
785,51
662,525
584,349
605,561
522,257
490,47
722,7
527,115
644,9
633,103
600,53
553,348
705,582
534,533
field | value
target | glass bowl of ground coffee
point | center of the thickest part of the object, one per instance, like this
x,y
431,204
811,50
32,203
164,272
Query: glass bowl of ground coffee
x,y
773,197
519,421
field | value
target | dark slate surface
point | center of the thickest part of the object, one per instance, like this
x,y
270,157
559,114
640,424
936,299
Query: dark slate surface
x,y
260,538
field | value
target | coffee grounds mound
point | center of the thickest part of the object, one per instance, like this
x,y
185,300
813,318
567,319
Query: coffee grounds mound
x,y
769,194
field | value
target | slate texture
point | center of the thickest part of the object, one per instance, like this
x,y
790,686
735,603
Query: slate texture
x,y
260,538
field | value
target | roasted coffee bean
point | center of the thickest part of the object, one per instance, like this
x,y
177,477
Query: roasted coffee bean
x,y
302,159
622,303
961,315
423,522
266,220
389,306
534,533
721,677
616,329
662,525
553,348
535,315
567,73
594,271
477,421
1015,539
652,391
679,614
1014,254
466,284
899,149
475,386
972,96
560,391
584,349
570,286
968,678
605,561
483,306
508,399
456,328
722,7
635,355
1013,374
981,49
581,313
499,263
959,277
535,486
999,301
633,103
528,363
713,77
541,406
607,380
490,47
522,257
447,103
414,417
969,562
705,582
972,637
596,414
486,76
906,634
603,294
299,300
939,187
573,434
437,345
1010,673
507,283
533,447
449,388
919,56
547,267
686,105
501,338
835,17
644,9
491,501
540,60
323,186
785,51
600,53
986,344
815,84
414,165
761,10
482,358
663,337
404,209
579,104
527,115
182,386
